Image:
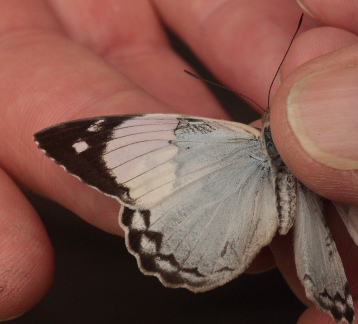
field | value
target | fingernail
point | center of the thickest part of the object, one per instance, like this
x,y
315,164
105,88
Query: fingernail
x,y
322,111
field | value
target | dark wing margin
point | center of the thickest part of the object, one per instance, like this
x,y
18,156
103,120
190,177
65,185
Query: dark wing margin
x,y
59,142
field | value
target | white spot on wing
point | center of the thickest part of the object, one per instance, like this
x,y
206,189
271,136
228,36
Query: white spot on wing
x,y
165,265
138,222
80,146
148,244
96,126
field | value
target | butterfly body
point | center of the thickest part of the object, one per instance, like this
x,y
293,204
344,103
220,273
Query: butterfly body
x,y
284,182
200,198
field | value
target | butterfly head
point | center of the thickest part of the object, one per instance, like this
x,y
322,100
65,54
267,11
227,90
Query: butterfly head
x,y
268,144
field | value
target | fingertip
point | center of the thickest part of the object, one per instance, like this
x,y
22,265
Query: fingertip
x,y
26,255
333,12
314,315
313,43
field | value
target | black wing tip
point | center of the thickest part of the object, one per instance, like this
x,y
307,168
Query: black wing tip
x,y
57,142
339,306
339,316
47,131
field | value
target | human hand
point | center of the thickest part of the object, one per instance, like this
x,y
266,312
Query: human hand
x,y
94,58
314,124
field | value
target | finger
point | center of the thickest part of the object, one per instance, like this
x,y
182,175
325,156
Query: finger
x,y
26,255
242,42
341,14
18,17
130,37
314,116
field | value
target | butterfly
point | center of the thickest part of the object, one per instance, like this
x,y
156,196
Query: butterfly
x,y
200,197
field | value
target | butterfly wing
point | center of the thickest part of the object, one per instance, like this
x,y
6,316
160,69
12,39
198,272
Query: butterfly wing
x,y
129,153
318,263
199,202
349,215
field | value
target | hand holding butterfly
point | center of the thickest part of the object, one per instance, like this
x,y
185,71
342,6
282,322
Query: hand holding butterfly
x,y
68,61
314,124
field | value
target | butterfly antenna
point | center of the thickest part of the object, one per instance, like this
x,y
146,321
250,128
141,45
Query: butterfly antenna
x,y
273,80
288,49
223,87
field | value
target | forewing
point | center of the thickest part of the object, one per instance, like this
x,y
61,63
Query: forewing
x,y
318,263
349,215
136,158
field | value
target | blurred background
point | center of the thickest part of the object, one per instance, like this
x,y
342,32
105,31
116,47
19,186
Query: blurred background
x,y
98,281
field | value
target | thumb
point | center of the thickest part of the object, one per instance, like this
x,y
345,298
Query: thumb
x,y
322,111
315,124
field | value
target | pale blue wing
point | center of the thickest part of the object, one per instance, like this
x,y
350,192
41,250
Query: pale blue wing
x,y
318,263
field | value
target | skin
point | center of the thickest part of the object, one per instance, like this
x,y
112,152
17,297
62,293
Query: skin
x,y
63,60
